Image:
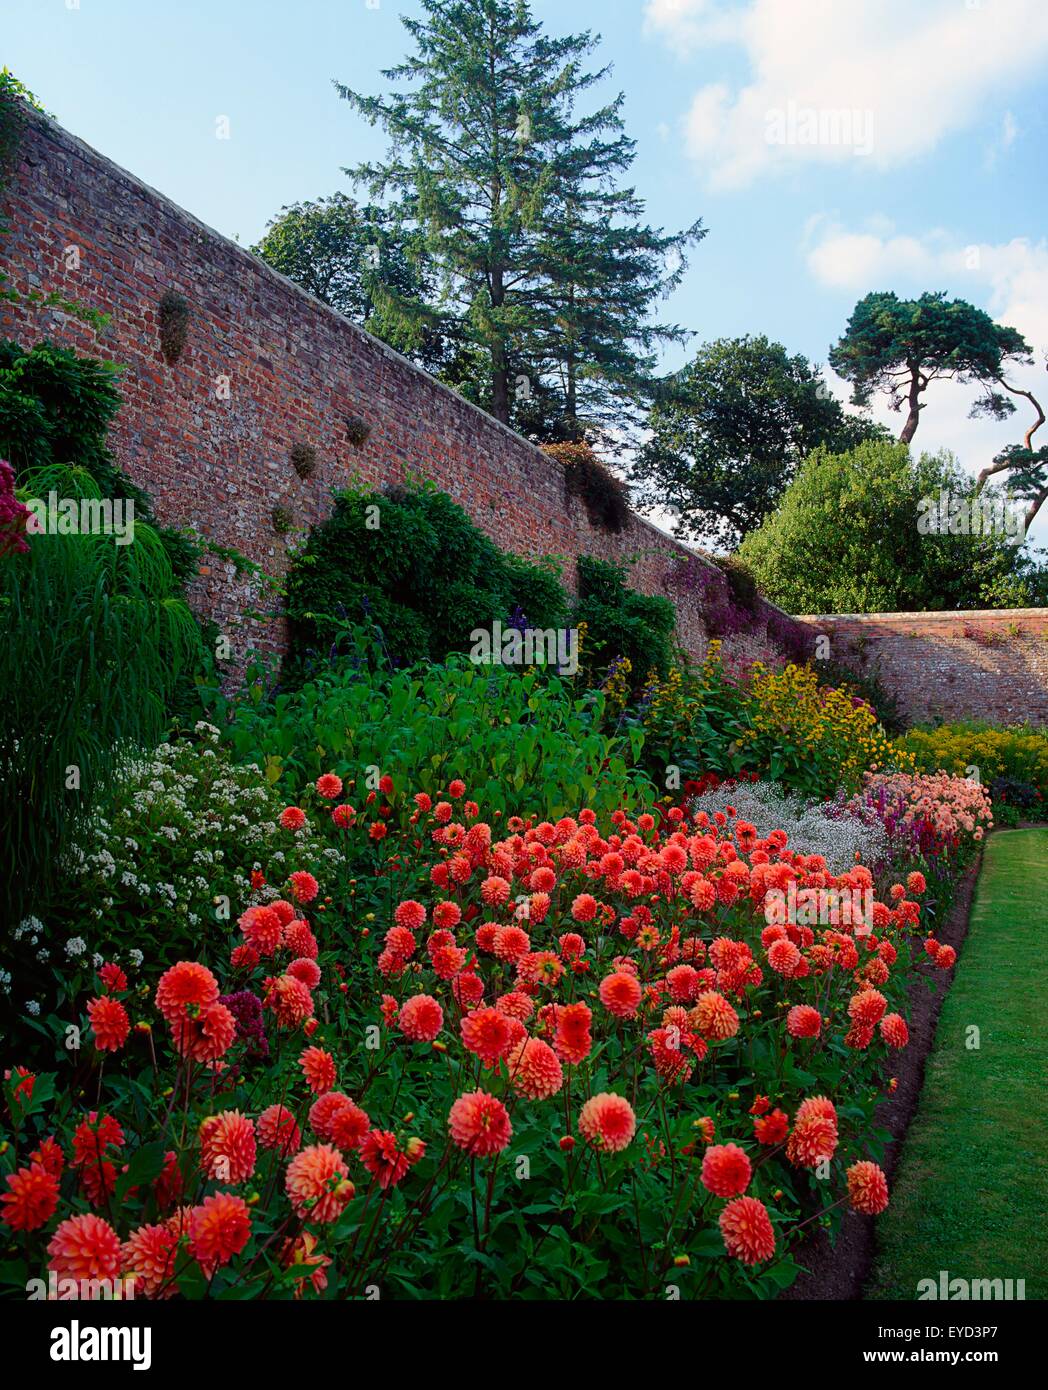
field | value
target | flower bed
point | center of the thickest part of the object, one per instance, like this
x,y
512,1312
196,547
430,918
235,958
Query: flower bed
x,y
521,1058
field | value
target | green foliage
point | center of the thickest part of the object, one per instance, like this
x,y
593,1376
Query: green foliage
x,y
729,430
620,623
846,539
56,408
411,562
524,743
898,346
364,263
93,640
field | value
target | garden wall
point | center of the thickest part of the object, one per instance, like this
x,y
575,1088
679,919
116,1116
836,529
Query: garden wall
x,y
265,366
988,665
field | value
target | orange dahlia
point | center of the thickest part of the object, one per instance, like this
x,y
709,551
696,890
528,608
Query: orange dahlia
x,y
421,1018
383,1158
487,1033
620,993
83,1248
747,1230
227,1147
608,1122
277,1129
813,1140
318,1067
289,999
726,1170
317,1182
185,984
534,1069
206,1036
149,1260
219,1228
713,1017
109,1023
866,1009
263,930
33,1198
479,1124
803,1021
867,1188
894,1030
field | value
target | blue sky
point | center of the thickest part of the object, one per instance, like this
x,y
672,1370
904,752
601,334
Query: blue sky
x,y
935,179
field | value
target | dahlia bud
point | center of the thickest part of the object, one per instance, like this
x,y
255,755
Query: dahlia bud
x,y
414,1148
310,1027
681,1261
439,1046
567,1143
254,1199
143,1027
346,1189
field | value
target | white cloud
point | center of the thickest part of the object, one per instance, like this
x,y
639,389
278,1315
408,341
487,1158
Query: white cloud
x,y
903,76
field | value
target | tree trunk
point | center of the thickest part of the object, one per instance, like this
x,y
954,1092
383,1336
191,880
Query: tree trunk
x,y
913,419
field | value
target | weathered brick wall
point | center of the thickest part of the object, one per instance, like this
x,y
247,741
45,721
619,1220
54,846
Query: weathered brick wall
x,y
296,371
988,665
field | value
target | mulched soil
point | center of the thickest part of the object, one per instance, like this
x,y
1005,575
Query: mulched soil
x,y
839,1270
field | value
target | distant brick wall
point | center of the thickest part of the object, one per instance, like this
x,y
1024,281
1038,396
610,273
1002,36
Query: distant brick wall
x,y
296,371
987,665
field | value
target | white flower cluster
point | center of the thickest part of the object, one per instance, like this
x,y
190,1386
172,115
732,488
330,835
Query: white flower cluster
x,y
181,825
808,828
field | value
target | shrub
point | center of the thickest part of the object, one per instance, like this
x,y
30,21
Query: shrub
x,y
411,562
621,623
174,840
605,497
846,538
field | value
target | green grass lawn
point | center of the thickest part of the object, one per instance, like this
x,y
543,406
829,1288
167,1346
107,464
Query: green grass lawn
x,y
971,1192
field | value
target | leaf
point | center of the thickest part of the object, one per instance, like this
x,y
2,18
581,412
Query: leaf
x,y
146,1164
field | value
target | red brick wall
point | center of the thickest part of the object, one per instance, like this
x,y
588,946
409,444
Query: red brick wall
x,y
296,372
991,665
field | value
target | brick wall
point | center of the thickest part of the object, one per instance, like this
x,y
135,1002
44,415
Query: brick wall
x,y
991,665
296,371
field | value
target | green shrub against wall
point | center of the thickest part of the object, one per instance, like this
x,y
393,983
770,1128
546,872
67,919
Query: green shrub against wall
x,y
411,562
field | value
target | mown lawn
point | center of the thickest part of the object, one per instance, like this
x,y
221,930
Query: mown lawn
x,y
971,1191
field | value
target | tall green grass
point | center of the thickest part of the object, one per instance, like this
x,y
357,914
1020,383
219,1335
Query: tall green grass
x,y
93,638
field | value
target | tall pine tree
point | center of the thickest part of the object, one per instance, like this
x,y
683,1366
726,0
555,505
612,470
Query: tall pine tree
x,y
544,259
